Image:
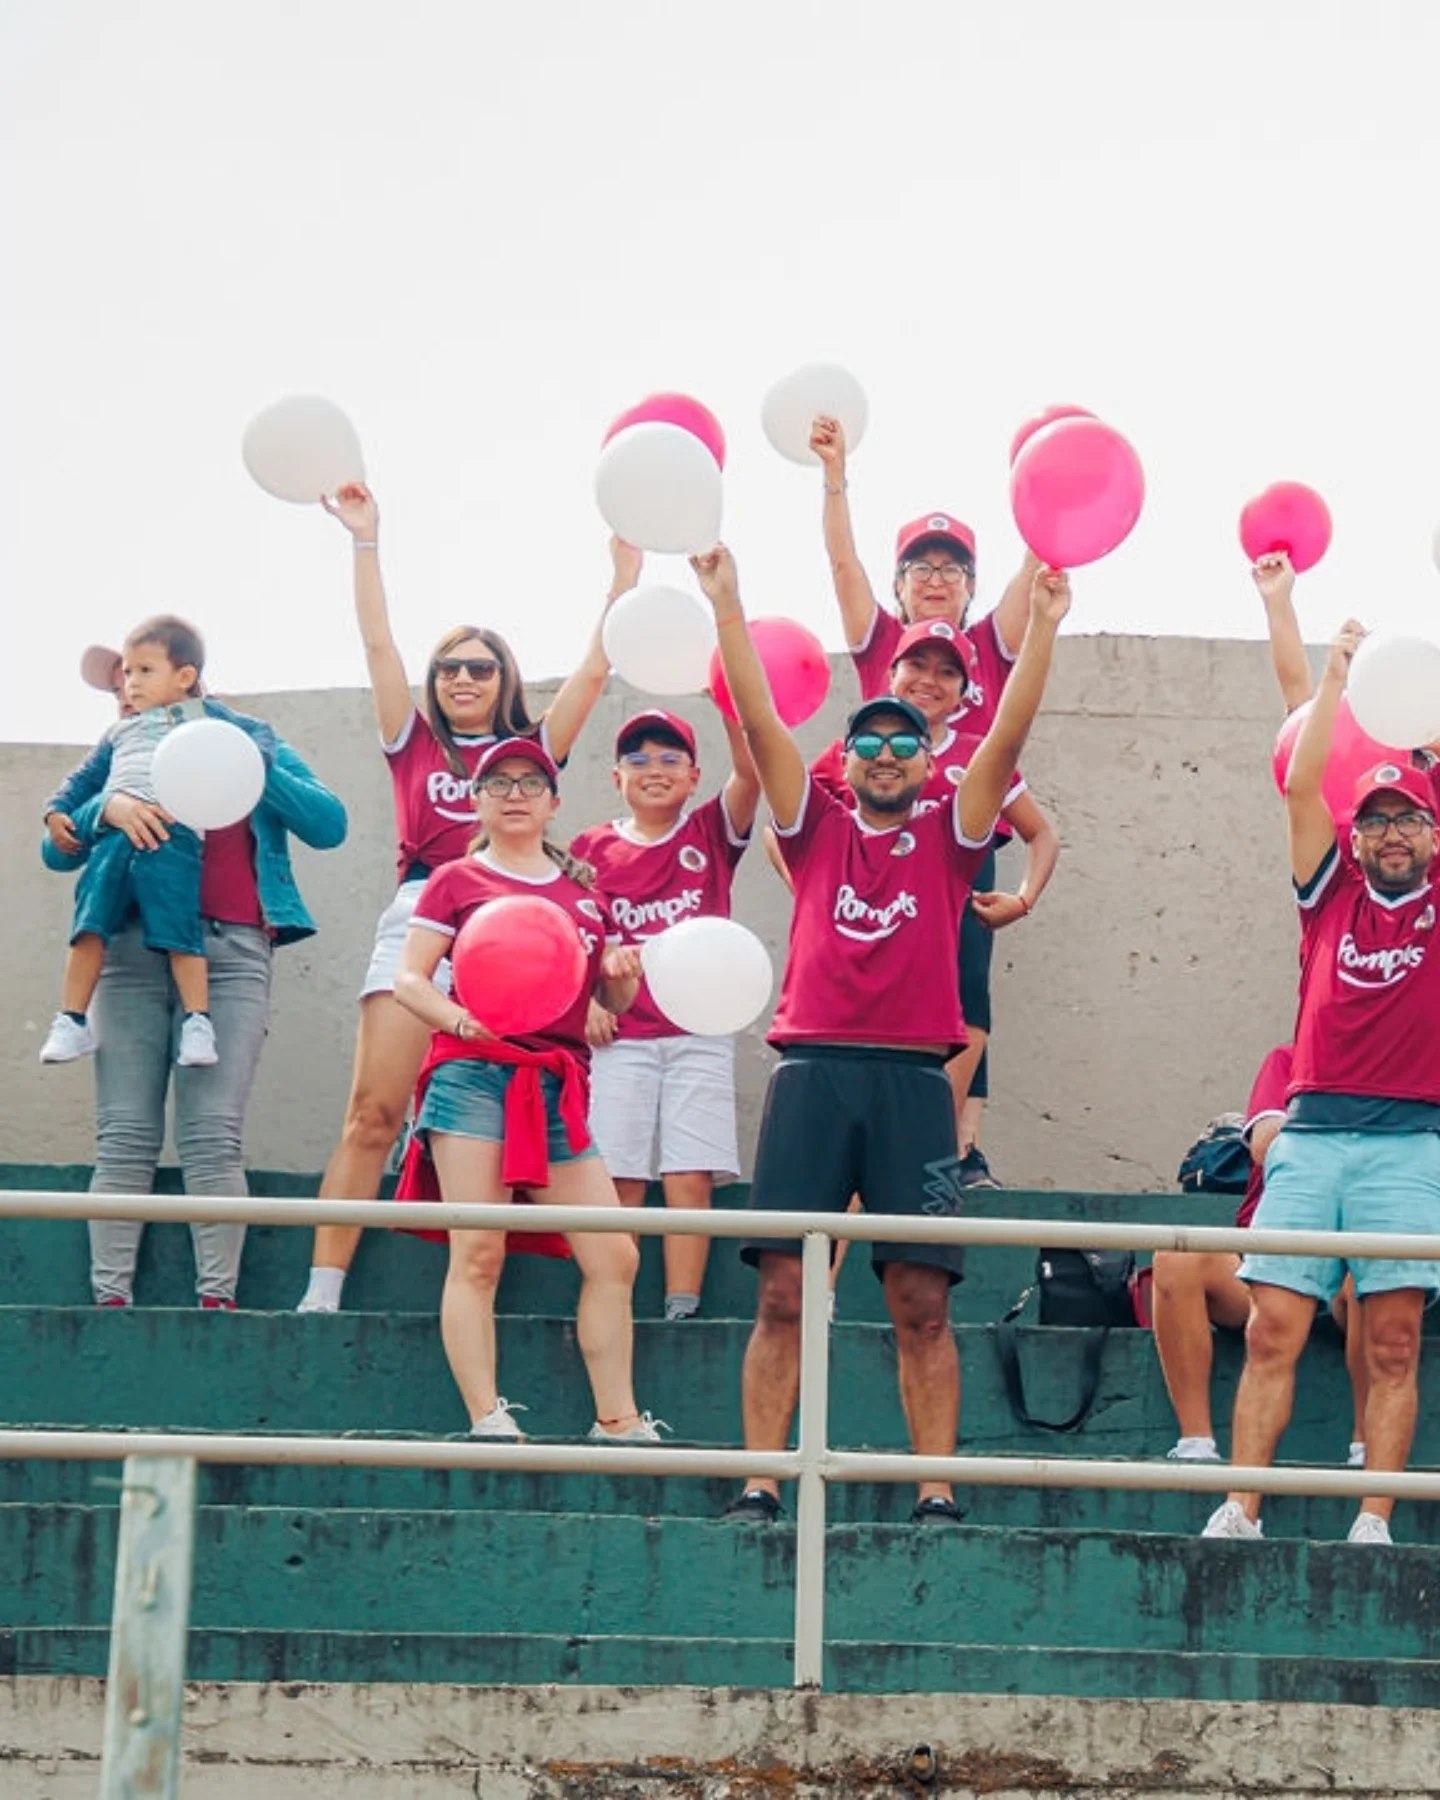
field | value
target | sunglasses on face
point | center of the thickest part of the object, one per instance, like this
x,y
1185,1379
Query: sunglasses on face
x,y
903,745
501,787
478,668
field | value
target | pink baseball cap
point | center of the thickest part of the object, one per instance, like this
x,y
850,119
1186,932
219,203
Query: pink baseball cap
x,y
530,748
934,525
100,667
1395,778
655,720
942,632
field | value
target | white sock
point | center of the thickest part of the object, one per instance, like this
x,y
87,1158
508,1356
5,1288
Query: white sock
x,y
323,1293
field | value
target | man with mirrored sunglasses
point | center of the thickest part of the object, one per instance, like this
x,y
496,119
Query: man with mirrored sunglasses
x,y
869,1011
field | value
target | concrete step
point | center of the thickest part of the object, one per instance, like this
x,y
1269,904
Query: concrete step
x,y
182,1369
516,1574
218,1654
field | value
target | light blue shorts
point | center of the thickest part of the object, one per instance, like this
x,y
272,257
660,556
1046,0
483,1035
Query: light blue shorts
x,y
1348,1181
467,1099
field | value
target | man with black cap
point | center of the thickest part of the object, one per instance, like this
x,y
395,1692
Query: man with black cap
x,y
868,1014
1360,1147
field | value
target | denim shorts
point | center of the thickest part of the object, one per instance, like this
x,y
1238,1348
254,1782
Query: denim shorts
x,y
163,884
466,1098
1348,1181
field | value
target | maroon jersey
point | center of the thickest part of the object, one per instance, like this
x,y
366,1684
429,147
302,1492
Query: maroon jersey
x,y
872,937
989,664
455,891
951,759
1369,990
434,817
653,885
1267,1100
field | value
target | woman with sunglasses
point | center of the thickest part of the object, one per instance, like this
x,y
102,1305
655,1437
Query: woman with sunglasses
x,y
475,1121
473,696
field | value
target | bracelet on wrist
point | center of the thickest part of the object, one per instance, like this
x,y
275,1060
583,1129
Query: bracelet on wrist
x,y
366,544
836,490
1024,902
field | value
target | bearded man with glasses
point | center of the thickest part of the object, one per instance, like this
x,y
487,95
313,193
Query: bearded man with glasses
x,y
869,1011
1360,1147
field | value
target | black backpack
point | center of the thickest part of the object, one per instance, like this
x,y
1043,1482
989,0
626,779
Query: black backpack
x,y
1218,1162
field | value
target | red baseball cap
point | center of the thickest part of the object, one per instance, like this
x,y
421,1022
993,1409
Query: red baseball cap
x,y
655,720
1395,778
530,748
934,525
942,632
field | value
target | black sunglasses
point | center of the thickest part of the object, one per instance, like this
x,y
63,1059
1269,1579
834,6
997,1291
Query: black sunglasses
x,y
478,668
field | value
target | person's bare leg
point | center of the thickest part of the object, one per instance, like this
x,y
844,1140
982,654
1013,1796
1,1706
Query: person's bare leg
x,y
469,1172
686,1257
1192,1290
1349,1316
83,963
1279,1327
604,1318
970,1123
770,1381
929,1362
389,1049
1391,1333
960,1072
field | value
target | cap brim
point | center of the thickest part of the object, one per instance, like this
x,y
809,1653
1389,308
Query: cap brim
x,y
100,667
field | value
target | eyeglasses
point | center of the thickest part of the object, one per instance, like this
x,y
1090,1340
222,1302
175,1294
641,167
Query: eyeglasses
x,y
951,573
1375,827
478,668
654,759
501,787
869,744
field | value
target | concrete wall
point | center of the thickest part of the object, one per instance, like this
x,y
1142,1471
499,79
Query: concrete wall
x,y
1135,1003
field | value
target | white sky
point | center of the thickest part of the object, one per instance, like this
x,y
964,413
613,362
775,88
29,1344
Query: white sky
x,y
485,228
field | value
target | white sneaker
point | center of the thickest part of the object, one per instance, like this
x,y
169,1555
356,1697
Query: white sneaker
x,y
645,1430
1356,1458
312,1304
1194,1449
1369,1528
197,1043
66,1041
1230,1520
499,1422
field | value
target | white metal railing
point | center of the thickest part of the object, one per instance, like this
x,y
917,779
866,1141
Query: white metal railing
x,y
812,1464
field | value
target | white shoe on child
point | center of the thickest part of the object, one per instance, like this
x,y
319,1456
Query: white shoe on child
x,y
197,1043
1230,1520
499,1422
67,1041
1194,1449
1369,1528
645,1430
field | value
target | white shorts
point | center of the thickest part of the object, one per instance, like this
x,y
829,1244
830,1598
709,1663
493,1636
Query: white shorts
x,y
390,933
680,1090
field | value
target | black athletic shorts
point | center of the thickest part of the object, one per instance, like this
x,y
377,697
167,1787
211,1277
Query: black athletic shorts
x,y
842,1120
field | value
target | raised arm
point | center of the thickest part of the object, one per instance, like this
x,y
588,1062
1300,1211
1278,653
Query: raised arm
x,y
354,506
1042,852
981,793
777,756
1014,608
1312,828
741,794
576,699
852,584
1275,579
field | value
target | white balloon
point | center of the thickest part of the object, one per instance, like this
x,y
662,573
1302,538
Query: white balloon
x,y
817,390
661,639
208,773
1394,689
1435,546
302,447
659,488
708,976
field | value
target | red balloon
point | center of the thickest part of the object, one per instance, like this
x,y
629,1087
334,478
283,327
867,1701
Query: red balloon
x,y
674,409
795,662
519,964
1051,413
1351,754
1288,516
1076,489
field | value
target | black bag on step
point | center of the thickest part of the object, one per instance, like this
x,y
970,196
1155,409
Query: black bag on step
x,y
1095,1288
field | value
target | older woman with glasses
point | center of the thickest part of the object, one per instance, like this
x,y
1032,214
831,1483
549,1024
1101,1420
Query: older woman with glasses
x,y
473,696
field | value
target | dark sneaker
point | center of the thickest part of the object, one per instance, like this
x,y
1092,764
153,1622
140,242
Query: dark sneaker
x,y
757,1506
936,1511
975,1171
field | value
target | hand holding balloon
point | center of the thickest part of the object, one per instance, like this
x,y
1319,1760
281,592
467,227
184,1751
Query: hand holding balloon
x,y
1346,642
1049,595
827,440
354,506
719,580
626,563
1274,576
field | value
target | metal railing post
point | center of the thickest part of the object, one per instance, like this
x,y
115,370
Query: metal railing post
x,y
813,1446
146,1682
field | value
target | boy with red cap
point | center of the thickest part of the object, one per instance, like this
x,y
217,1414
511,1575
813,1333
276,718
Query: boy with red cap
x,y
661,1100
1360,1149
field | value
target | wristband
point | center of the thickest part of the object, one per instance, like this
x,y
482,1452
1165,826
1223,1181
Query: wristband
x,y
366,544
1024,902
836,490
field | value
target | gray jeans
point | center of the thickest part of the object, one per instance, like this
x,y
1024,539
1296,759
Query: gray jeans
x,y
137,1018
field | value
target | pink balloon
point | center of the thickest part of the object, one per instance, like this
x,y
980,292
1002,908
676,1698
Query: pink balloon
x,y
1288,516
1051,413
674,409
1352,752
795,663
1076,489
519,964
